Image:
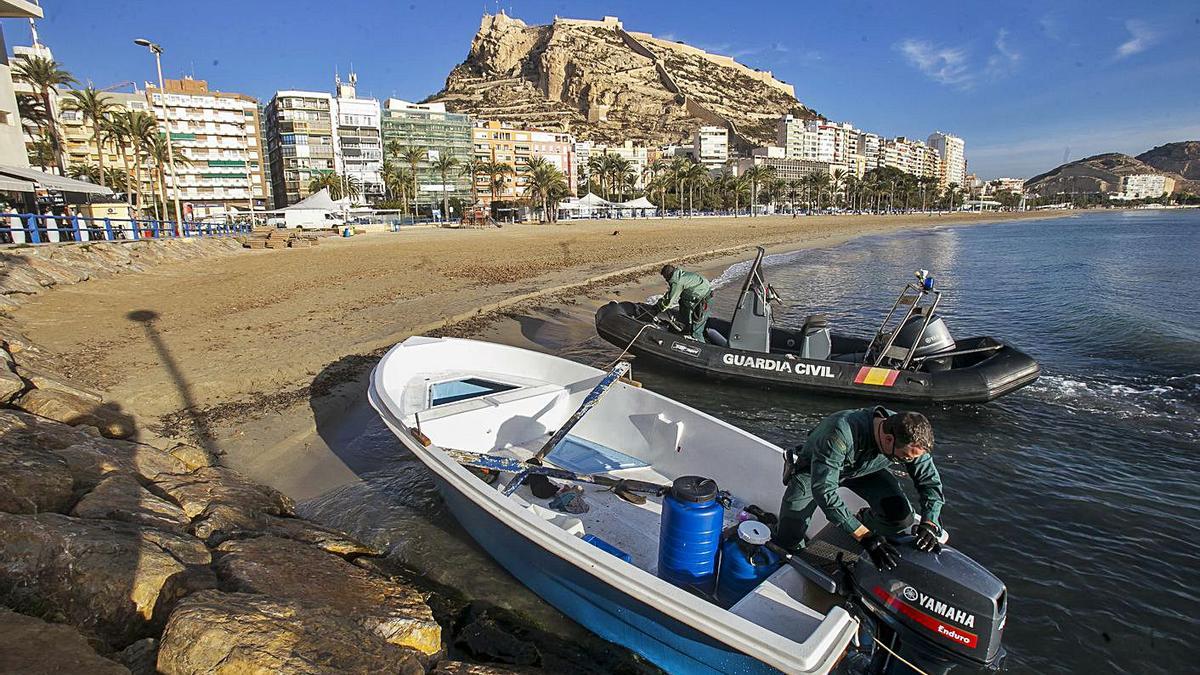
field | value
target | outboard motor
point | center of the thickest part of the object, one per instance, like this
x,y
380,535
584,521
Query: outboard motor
x,y
936,339
934,610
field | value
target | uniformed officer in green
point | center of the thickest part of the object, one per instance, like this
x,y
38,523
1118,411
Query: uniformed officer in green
x,y
853,449
692,292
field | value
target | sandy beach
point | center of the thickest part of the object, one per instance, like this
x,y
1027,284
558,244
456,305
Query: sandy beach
x,y
232,351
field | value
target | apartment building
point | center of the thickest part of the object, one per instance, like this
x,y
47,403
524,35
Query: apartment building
x,y
711,147
299,142
1145,186
429,127
1014,185
501,142
221,163
358,143
638,156
952,161
583,154
910,156
821,141
785,169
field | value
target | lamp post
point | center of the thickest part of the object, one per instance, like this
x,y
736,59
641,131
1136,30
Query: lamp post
x,y
162,91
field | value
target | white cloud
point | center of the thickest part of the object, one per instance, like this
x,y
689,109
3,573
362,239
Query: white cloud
x,y
1141,38
947,65
1006,59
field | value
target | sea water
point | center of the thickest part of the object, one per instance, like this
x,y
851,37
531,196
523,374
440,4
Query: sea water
x,y
1081,491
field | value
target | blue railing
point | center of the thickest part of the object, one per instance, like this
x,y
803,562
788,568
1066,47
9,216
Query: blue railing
x,y
38,229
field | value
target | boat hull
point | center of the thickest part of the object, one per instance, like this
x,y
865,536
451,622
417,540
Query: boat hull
x,y
1004,371
606,611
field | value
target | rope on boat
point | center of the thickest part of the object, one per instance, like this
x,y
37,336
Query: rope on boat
x,y
626,350
879,643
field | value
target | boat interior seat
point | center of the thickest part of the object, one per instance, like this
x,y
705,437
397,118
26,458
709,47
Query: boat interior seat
x,y
816,321
783,604
571,524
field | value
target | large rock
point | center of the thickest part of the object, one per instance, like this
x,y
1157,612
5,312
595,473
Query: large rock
x,y
32,481
11,385
121,497
30,646
192,456
197,490
67,408
212,632
89,457
220,522
115,581
288,569
141,657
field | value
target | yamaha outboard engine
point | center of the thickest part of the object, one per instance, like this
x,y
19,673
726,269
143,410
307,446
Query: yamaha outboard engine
x,y
935,339
934,610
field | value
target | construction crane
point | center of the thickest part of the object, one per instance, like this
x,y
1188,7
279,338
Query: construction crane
x,y
120,85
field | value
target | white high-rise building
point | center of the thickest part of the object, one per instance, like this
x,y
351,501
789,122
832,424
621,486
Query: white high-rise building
x,y
358,147
790,135
952,155
219,136
711,145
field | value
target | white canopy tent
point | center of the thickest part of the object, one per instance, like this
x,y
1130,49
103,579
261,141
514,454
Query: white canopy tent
x,y
637,207
586,206
314,211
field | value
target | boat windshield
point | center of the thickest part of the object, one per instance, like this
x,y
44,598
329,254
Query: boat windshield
x,y
442,393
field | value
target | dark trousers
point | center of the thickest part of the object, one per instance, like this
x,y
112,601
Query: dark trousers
x,y
888,513
693,315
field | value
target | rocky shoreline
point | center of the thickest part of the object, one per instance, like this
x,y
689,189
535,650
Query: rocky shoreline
x,y
118,556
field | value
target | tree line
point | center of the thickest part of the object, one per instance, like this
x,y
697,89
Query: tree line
x,y
136,135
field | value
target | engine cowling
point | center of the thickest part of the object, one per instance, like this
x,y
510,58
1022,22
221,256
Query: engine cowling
x,y
945,608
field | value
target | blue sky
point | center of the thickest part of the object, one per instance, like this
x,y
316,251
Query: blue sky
x,y
1023,82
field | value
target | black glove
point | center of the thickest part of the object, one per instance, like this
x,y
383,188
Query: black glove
x,y
927,535
883,554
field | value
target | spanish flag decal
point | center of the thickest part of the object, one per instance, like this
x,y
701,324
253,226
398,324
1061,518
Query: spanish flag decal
x,y
885,377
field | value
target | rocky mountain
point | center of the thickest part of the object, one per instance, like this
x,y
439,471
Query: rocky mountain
x,y
1181,158
1098,173
602,83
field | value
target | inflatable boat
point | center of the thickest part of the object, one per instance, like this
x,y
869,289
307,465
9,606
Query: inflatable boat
x,y
661,572
912,357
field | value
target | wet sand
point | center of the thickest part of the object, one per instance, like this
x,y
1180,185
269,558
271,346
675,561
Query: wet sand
x,y
263,354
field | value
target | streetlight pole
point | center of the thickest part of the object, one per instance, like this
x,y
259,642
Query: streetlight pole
x,y
162,91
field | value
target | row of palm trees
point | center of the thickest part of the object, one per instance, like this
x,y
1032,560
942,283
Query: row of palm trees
x,y
131,132
545,185
680,182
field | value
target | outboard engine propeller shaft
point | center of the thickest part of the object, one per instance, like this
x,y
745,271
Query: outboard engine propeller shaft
x,y
935,610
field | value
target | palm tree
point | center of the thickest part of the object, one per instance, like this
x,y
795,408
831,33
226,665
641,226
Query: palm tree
x,y
43,151
414,155
445,164
678,171
820,183
162,158
794,187
544,183
695,173
757,175
84,171
95,108
496,171
338,186
473,168
837,181
44,75
143,127
116,130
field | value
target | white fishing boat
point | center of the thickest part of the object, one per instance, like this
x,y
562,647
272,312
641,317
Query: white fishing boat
x,y
487,418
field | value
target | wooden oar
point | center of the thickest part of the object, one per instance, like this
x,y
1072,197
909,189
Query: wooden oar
x,y
589,402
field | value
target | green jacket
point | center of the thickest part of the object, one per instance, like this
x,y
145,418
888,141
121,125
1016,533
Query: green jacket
x,y
684,283
843,446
